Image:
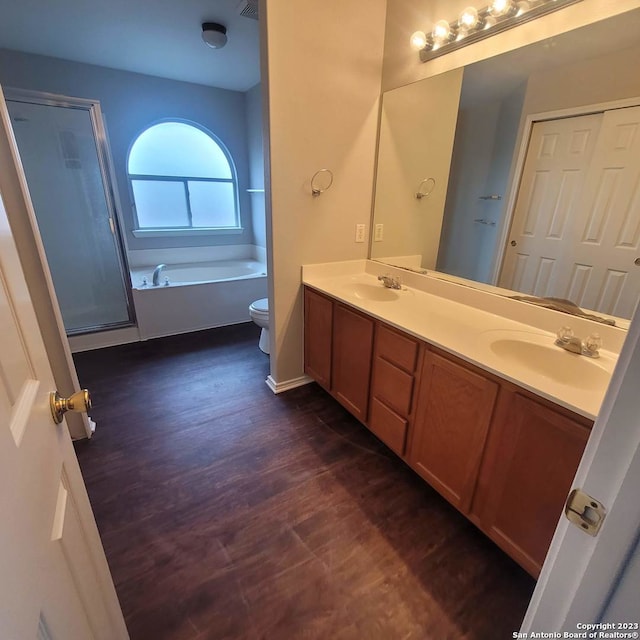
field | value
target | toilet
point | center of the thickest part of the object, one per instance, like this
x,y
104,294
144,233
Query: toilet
x,y
259,312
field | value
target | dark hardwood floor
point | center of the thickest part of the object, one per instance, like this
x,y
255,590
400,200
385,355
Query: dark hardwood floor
x,y
228,512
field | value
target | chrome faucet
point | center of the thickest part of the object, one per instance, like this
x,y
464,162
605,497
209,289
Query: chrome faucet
x,y
588,347
156,274
390,282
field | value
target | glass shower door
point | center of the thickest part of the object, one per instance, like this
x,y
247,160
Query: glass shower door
x,y
62,148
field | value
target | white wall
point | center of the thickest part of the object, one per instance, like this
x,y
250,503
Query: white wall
x,y
323,67
417,129
615,76
402,64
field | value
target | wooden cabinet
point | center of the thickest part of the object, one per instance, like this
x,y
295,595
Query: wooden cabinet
x,y
392,386
451,425
532,454
498,453
351,359
318,337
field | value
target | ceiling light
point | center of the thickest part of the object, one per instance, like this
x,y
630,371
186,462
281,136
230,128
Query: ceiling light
x,y
214,34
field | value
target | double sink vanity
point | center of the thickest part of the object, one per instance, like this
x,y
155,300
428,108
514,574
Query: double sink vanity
x,y
468,387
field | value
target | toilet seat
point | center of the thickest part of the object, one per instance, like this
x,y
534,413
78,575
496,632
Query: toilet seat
x,y
260,306
259,312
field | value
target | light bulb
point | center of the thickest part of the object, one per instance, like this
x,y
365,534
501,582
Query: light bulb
x,y
441,31
468,19
501,7
489,22
418,40
523,7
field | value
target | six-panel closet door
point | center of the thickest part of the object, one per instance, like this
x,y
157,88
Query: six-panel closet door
x,y
576,227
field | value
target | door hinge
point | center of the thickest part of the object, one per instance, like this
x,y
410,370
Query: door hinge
x,y
585,512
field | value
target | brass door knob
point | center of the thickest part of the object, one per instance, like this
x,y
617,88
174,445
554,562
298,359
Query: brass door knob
x,y
79,402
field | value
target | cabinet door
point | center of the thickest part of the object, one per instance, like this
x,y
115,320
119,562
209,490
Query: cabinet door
x,y
455,406
318,323
531,458
352,351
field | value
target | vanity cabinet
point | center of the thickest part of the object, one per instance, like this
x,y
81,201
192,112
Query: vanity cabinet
x,y
454,412
351,359
500,454
532,453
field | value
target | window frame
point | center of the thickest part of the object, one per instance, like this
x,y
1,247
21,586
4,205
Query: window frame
x,y
139,231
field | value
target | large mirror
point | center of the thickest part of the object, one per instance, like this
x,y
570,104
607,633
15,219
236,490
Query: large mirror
x,y
522,171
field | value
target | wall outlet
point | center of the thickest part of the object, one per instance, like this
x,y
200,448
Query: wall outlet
x,y
378,233
360,233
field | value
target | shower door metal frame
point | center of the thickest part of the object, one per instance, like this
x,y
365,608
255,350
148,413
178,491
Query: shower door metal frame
x,y
108,181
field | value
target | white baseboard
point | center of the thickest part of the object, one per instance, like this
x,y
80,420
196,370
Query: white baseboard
x,y
102,339
279,387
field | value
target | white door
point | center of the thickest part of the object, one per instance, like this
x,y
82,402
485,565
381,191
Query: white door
x,y
54,579
587,580
576,225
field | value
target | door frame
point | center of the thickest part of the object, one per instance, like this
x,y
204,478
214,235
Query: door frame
x,y
518,168
108,181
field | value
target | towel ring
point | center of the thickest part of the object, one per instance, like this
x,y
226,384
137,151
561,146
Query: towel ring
x,y
316,183
425,188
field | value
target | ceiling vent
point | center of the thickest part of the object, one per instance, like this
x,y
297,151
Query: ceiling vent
x,y
248,9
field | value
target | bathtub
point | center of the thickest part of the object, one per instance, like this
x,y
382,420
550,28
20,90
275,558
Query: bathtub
x,y
196,296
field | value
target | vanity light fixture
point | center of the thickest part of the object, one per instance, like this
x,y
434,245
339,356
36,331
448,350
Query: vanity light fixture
x,y
476,24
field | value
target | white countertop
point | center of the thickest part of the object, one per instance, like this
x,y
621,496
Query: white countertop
x,y
511,339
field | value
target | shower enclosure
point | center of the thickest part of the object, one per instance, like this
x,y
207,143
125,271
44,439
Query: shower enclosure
x,y
64,153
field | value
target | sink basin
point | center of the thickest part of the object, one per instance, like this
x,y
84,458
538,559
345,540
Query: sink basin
x,y
364,291
537,353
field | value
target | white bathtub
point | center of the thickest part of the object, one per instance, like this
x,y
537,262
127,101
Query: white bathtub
x,y
201,295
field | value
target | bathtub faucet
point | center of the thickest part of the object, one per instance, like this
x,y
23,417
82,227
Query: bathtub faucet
x,y
156,274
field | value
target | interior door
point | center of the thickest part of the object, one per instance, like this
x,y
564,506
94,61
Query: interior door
x,y
54,579
554,173
576,226
600,271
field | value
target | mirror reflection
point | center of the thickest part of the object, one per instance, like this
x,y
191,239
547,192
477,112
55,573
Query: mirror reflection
x,y
534,158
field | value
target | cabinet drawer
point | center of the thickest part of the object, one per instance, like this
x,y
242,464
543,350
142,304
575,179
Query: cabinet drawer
x,y
393,386
388,426
398,349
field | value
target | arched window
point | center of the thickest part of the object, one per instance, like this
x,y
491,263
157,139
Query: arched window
x,y
182,178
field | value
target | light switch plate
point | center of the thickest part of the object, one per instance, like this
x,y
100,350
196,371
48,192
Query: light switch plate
x,y
378,233
359,233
